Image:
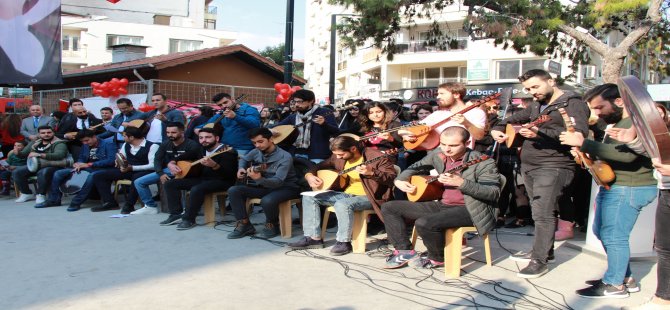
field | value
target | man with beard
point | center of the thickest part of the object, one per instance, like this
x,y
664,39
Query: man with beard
x,y
450,101
617,209
47,147
122,120
95,157
160,116
70,126
547,166
106,114
176,145
315,125
217,174
238,119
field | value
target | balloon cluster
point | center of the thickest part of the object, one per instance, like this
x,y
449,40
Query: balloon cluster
x,y
144,107
285,92
113,88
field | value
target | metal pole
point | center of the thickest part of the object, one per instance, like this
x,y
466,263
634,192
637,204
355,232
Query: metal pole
x,y
331,76
288,45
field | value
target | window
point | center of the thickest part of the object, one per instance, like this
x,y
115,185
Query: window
x,y
177,45
115,39
66,42
432,77
162,20
512,69
70,43
417,76
210,23
531,64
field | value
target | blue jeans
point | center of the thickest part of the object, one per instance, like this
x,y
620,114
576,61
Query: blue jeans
x,y
616,213
61,176
344,204
143,190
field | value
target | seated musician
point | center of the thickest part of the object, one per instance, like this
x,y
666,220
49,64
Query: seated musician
x,y
376,117
217,174
175,145
369,186
46,148
69,127
139,156
276,183
13,162
95,157
468,200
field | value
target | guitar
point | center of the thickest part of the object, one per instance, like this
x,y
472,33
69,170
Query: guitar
x,y
331,179
190,169
427,138
286,134
514,139
246,180
428,189
221,114
602,172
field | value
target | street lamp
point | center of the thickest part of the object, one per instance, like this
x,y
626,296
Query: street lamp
x,y
333,41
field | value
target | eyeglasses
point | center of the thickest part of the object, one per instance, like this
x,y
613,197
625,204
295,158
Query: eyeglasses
x,y
297,101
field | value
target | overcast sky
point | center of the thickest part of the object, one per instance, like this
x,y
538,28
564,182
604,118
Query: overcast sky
x,y
261,23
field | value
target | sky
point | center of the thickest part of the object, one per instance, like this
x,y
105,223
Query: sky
x,y
262,23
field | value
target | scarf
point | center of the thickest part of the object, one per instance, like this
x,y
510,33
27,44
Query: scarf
x,y
303,122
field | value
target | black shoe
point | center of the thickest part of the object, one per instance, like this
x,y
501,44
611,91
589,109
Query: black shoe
x,y
185,224
73,208
306,243
602,290
47,204
341,248
516,224
157,197
106,207
535,269
500,223
171,220
525,257
242,230
631,285
270,231
127,209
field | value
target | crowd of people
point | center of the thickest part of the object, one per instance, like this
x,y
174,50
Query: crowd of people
x,y
479,180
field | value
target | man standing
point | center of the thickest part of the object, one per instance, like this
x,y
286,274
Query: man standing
x,y
275,184
95,157
47,147
315,125
121,121
369,186
106,114
160,117
237,121
217,174
30,124
617,209
176,145
547,166
468,200
69,127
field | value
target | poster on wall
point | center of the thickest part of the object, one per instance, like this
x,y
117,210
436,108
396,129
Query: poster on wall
x,y
30,42
94,104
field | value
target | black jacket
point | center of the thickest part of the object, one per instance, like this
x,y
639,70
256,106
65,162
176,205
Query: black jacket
x,y
69,124
546,151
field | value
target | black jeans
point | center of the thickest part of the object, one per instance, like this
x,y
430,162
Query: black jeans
x,y
546,187
198,187
21,174
663,245
432,218
103,183
270,200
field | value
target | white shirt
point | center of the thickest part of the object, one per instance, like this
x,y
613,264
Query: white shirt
x,y
155,134
85,123
135,149
476,117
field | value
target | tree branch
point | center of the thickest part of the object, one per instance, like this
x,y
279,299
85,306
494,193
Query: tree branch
x,y
653,17
586,38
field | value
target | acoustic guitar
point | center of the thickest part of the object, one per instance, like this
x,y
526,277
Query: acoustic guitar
x,y
286,134
427,138
514,139
191,169
427,189
602,172
334,180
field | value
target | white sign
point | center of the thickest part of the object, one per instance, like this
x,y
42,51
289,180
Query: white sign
x,y
478,69
94,104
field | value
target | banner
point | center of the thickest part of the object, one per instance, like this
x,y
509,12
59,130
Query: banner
x,y
30,42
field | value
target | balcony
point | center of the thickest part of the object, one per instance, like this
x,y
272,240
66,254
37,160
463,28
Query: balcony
x,y
77,57
419,83
211,12
409,47
342,65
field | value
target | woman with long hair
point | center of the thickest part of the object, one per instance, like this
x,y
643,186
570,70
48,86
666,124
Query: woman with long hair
x,y
10,132
376,117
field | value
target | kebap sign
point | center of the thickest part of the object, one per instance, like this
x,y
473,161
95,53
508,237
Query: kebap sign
x,y
430,93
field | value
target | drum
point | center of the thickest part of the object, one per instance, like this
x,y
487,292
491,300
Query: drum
x,y
120,161
75,183
34,164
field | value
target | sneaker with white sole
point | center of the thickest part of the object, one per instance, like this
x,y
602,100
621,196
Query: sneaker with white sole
x,y
25,197
145,210
40,198
602,290
630,284
525,257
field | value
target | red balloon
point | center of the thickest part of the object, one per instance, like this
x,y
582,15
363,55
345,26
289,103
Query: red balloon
x,y
123,91
280,99
95,84
144,107
97,92
296,88
285,86
104,93
123,82
278,86
285,92
104,86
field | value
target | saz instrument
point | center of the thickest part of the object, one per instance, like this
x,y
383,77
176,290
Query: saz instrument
x,y
333,180
191,169
74,133
514,139
602,172
221,114
246,180
286,134
427,138
427,189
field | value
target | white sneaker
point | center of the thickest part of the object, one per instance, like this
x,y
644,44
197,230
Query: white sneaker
x,y
40,198
25,197
145,210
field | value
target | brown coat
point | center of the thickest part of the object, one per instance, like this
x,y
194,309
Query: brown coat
x,y
379,186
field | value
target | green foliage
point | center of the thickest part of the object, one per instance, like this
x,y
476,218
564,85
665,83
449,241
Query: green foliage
x,y
276,54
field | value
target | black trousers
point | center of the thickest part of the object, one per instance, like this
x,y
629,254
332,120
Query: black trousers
x,y
546,187
198,187
270,200
432,218
21,174
663,245
103,183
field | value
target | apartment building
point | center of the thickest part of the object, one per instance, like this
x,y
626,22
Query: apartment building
x,y
91,30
